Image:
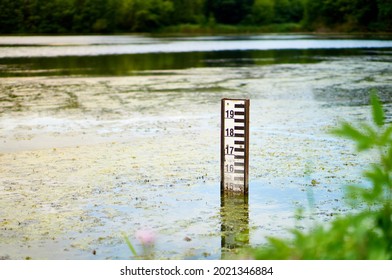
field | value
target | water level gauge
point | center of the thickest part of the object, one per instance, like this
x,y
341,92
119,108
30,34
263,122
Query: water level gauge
x,y
234,145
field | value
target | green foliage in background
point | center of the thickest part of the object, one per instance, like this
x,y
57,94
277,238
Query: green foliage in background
x,y
366,234
353,15
109,16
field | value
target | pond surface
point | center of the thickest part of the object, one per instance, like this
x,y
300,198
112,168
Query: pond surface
x,y
107,135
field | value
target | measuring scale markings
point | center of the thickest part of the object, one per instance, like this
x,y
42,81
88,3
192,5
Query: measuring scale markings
x,y
234,145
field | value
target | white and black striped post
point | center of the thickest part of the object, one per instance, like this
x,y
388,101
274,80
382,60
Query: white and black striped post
x,y
234,145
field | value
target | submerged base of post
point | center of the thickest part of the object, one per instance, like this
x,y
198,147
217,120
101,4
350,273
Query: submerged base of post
x,y
228,191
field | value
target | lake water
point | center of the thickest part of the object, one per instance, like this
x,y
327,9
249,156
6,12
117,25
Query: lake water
x,y
108,135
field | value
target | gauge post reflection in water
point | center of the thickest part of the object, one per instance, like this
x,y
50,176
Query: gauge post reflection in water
x,y
234,174
234,222
234,145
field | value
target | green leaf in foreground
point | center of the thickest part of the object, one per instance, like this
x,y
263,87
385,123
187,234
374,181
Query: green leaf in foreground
x,y
378,113
364,234
363,140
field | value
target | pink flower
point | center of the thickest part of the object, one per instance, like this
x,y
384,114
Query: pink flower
x,y
146,237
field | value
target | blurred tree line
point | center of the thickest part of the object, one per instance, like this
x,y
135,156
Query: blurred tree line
x,y
108,16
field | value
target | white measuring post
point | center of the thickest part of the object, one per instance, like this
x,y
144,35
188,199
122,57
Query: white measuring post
x,y
234,145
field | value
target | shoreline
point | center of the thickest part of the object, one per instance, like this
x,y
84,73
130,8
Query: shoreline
x,y
200,30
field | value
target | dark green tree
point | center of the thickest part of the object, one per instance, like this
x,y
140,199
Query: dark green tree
x,y
229,11
282,11
187,11
277,11
11,16
385,14
263,12
366,15
146,15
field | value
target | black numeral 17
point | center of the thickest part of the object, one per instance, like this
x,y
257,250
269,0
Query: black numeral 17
x,y
229,150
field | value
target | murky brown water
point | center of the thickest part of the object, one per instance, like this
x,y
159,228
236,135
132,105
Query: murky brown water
x,y
86,155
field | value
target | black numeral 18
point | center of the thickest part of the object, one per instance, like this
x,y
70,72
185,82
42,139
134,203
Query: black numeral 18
x,y
229,131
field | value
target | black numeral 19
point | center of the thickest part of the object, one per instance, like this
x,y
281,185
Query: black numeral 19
x,y
229,114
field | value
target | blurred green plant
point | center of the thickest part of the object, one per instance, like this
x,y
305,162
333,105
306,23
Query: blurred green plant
x,y
366,234
129,244
147,240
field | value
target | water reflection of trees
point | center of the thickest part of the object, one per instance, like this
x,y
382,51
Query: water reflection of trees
x,y
131,64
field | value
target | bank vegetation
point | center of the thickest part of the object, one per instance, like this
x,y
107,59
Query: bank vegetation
x,y
193,16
